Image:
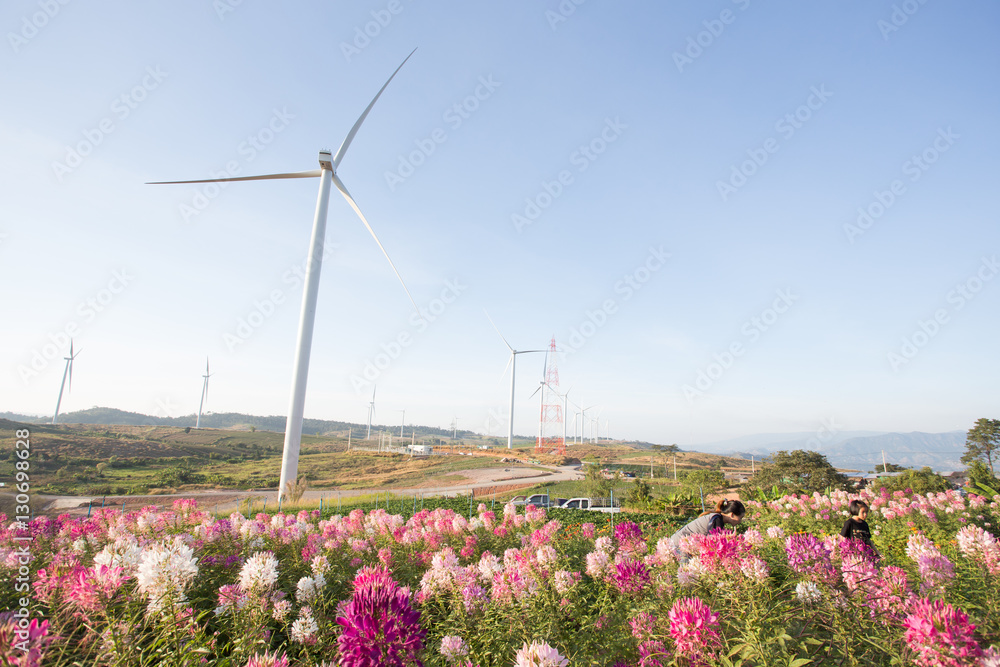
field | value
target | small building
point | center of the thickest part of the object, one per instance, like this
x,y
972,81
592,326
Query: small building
x,y
421,450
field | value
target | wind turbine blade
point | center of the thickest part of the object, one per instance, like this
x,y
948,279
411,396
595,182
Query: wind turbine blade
x,y
495,328
374,387
71,374
357,125
537,390
504,374
313,173
350,200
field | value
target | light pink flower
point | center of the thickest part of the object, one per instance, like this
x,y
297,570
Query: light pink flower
x,y
539,654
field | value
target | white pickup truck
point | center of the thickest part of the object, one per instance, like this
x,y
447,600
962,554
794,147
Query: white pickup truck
x,y
538,500
592,504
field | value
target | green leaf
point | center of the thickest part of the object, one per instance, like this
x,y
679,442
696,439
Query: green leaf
x,y
798,662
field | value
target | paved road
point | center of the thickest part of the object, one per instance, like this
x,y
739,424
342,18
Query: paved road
x,y
228,500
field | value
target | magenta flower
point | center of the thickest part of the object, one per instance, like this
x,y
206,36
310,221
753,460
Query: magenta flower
x,y
23,647
651,652
380,628
631,576
940,635
809,557
694,629
888,595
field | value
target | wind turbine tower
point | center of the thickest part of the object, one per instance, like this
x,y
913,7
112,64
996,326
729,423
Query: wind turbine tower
x,y
327,173
204,394
550,430
371,413
67,371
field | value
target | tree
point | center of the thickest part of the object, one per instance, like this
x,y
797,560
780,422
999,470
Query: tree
x,y
798,470
979,476
671,449
707,480
890,467
982,443
924,480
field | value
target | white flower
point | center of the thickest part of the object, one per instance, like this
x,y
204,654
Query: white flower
x,y
259,573
320,565
308,588
539,654
281,609
808,592
546,554
304,629
776,532
164,572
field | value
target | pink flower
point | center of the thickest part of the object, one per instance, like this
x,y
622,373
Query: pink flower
x,y
453,648
694,629
23,647
809,557
539,654
940,635
265,659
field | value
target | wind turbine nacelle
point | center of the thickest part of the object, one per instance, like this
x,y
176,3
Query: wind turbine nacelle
x,y
326,159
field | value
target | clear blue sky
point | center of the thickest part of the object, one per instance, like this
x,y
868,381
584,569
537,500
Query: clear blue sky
x,y
715,154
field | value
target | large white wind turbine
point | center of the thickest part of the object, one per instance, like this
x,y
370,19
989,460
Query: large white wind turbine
x,y
512,363
204,394
66,371
327,173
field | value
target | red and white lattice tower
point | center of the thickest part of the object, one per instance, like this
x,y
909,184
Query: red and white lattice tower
x,y
550,428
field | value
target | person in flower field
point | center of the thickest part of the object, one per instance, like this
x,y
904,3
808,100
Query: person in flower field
x,y
729,512
856,526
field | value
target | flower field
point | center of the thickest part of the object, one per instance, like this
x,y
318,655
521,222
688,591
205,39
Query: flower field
x,y
446,587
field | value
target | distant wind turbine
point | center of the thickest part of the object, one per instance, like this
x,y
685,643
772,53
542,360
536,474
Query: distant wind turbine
x,y
512,364
371,413
327,174
204,394
67,371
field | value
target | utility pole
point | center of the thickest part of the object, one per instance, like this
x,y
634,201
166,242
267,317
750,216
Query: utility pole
x,y
883,462
675,467
402,424
753,466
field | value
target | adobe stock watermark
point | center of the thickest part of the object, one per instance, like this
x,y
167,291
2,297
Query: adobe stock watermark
x,y
21,554
263,309
824,435
363,35
581,158
564,10
121,108
957,298
899,17
418,323
752,330
496,418
914,168
698,43
455,116
224,7
165,408
87,311
32,24
248,150
629,284
786,126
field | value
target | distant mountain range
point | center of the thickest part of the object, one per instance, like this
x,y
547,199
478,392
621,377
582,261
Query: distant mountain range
x,y
856,450
111,416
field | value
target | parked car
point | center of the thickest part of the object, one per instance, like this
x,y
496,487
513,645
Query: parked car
x,y
538,500
592,504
